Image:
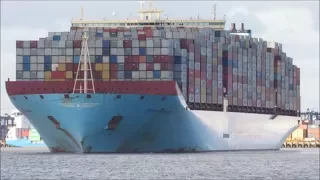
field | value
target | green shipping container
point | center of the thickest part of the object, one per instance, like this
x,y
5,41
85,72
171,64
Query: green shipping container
x,y
34,135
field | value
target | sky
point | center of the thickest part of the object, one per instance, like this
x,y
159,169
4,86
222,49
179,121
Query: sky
x,y
295,24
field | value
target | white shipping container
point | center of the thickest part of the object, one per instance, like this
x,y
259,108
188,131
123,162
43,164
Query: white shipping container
x,y
92,51
61,52
149,74
142,74
41,43
169,35
135,43
19,67
99,43
40,67
113,51
33,52
142,43
135,51
19,59
54,51
33,67
19,51
54,67
40,74
120,43
54,59
26,74
33,59
62,59
156,51
69,59
156,66
150,43
191,98
166,74
98,51
47,51
62,44
120,51
76,51
149,51
26,44
40,52
26,52
120,59
105,59
40,59
142,66
135,74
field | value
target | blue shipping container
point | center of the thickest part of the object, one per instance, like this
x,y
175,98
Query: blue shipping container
x,y
225,62
47,67
47,60
142,51
235,64
56,38
156,74
259,75
26,67
26,59
128,74
113,59
98,59
99,34
177,59
76,59
106,51
105,43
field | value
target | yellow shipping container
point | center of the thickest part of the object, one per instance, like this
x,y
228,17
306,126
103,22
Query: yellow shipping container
x,y
203,99
98,66
47,75
203,91
69,74
299,134
47,79
105,67
106,74
62,67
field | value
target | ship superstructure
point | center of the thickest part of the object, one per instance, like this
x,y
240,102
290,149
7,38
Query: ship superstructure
x,y
156,85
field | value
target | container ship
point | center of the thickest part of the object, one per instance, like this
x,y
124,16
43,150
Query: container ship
x,y
156,85
20,132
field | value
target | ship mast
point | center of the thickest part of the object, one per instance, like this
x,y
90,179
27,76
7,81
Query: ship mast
x,y
85,61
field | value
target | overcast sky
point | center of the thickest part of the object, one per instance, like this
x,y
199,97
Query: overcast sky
x,y
294,24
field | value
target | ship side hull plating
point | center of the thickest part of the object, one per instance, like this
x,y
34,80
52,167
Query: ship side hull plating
x,y
149,123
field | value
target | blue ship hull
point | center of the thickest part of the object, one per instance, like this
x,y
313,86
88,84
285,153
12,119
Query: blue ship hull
x,y
153,123
24,143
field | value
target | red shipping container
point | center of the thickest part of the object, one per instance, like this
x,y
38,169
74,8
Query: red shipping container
x,y
235,78
135,59
75,67
214,76
191,90
127,59
149,66
127,43
191,48
245,80
25,133
114,74
58,74
203,75
203,59
240,102
113,67
142,37
157,59
254,103
191,73
197,74
126,29
97,75
73,28
164,59
166,66
69,66
149,33
209,83
145,28
19,44
131,66
106,29
76,44
219,61
113,30
34,44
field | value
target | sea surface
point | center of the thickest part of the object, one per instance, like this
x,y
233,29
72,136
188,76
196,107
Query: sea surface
x,y
38,163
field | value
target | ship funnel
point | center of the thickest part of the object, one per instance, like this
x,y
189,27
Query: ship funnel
x,y
242,27
233,27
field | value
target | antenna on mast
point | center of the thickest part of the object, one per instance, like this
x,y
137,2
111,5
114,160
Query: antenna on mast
x,y
85,61
214,8
81,18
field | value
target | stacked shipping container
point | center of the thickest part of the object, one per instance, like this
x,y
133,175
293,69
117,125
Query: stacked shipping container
x,y
204,62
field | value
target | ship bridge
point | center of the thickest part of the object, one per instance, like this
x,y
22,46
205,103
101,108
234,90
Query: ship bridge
x,y
151,17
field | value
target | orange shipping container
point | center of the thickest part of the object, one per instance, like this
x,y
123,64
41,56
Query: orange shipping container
x,y
98,67
62,67
69,74
142,59
105,67
25,133
105,75
47,75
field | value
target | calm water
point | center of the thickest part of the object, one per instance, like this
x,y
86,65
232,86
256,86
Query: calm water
x,y
40,164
